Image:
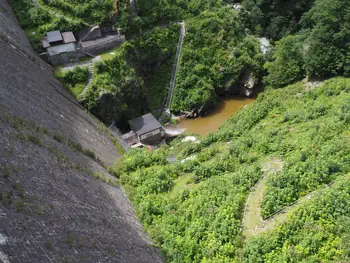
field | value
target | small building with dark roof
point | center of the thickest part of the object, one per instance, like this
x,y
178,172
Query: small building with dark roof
x,y
57,43
147,128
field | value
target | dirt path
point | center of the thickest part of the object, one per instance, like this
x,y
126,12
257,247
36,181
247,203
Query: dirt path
x,y
252,220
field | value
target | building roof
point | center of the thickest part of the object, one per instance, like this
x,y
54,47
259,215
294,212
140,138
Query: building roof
x,y
144,124
68,37
58,49
54,36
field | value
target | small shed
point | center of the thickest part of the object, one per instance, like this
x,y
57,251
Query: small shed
x,y
148,129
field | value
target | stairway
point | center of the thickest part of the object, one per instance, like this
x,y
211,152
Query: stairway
x,y
91,77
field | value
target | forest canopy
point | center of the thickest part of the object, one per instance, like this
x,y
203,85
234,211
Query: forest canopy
x,y
321,48
221,49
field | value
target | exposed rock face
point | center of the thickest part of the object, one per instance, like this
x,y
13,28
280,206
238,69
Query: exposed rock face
x,y
51,208
264,45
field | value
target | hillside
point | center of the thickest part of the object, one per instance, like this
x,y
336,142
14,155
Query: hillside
x,y
230,48
54,203
296,137
271,185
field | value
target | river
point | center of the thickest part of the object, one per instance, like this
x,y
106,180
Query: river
x,y
211,123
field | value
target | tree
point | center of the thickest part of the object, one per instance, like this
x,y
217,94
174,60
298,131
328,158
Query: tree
x,y
287,66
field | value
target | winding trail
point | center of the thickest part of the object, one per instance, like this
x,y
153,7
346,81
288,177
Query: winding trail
x,y
253,224
90,65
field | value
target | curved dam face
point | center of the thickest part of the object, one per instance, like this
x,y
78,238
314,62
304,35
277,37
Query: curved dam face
x,y
52,206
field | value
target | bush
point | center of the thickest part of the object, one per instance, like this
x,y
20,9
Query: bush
x,y
90,153
28,14
287,66
75,76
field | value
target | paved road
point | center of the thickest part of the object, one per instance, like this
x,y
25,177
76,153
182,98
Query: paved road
x,y
85,63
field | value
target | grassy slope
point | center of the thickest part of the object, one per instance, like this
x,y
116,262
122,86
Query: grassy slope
x,y
200,221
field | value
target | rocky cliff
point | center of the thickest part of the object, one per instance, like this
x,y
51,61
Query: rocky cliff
x,y
52,207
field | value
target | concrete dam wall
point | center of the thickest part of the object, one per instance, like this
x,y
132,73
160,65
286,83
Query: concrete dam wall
x,y
52,208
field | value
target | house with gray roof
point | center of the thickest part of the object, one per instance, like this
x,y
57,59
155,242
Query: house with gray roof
x,y
147,128
56,42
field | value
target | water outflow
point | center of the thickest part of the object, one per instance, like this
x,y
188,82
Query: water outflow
x,y
172,132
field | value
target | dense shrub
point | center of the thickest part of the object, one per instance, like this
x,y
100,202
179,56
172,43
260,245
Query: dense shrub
x,y
288,65
75,76
320,49
28,14
317,232
216,56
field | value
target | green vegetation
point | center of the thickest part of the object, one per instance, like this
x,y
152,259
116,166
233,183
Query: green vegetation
x,y
78,147
89,11
38,18
309,38
316,232
320,48
6,171
34,139
28,14
74,80
217,54
275,18
136,79
193,209
75,76
61,14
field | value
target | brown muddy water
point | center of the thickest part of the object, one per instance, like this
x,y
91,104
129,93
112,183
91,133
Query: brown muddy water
x,y
211,123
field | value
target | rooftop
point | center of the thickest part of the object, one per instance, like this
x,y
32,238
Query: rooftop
x,y
63,48
54,36
101,40
68,37
144,124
